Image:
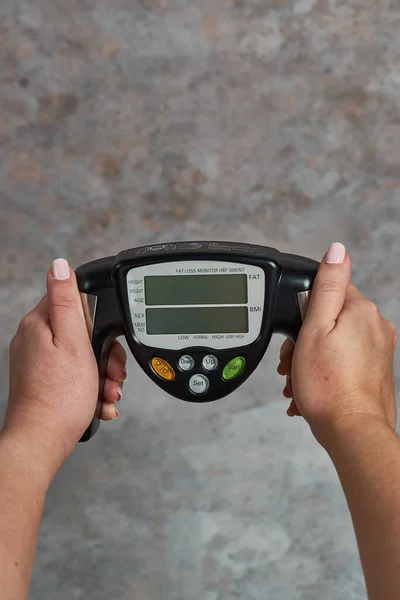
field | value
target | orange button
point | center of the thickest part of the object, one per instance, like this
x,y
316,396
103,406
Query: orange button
x,y
163,369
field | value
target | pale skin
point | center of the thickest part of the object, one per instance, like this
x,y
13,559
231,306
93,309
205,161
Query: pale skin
x,y
339,379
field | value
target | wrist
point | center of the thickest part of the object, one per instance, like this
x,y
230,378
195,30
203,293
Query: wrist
x,y
27,454
342,434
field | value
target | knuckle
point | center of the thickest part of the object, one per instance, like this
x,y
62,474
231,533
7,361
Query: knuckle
x,y
314,331
393,331
12,344
330,285
27,322
371,309
69,347
64,301
285,350
120,352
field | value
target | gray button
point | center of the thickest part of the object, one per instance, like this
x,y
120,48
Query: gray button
x,y
210,362
199,384
186,363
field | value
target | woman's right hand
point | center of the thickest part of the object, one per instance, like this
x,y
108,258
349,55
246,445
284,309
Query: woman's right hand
x,y
340,371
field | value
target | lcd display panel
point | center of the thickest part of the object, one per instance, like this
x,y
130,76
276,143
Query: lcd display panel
x,y
180,290
192,320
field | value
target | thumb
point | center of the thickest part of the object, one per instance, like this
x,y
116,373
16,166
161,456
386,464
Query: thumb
x,y
330,288
64,302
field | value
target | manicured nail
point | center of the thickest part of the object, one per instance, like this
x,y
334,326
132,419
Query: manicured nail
x,y
336,254
119,392
116,413
289,412
60,269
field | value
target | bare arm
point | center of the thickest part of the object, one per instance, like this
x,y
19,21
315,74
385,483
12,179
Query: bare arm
x,y
53,395
366,456
340,376
23,488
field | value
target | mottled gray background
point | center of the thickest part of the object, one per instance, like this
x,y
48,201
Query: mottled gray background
x,y
131,121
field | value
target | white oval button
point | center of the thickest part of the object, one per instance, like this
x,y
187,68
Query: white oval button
x,y
186,363
210,362
199,384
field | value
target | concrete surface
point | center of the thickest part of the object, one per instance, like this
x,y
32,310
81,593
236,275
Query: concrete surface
x,y
126,121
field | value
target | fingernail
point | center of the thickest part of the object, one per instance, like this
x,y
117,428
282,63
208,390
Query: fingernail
x,y
119,392
116,413
124,372
290,413
60,269
336,254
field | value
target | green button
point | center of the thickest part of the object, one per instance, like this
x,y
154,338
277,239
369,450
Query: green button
x,y
234,368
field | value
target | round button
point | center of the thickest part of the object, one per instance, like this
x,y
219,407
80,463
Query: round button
x,y
199,384
186,363
234,368
163,369
210,362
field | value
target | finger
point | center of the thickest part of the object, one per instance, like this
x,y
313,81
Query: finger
x,y
288,387
284,368
330,288
116,369
287,390
65,306
109,412
286,357
112,391
293,411
287,348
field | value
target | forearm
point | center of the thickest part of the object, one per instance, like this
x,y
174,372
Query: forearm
x,y
23,486
367,460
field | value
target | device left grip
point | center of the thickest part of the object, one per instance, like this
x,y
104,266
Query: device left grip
x,y
103,322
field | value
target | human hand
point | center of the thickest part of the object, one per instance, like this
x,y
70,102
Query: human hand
x,y
54,375
341,368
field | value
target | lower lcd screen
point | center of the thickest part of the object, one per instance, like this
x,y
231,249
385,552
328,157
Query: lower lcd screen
x,y
220,319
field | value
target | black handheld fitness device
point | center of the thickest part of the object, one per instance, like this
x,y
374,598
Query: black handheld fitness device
x,y
197,316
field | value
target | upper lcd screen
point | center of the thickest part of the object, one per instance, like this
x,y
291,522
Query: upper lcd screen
x,y
181,290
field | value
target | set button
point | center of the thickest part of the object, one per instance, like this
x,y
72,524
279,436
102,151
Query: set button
x,y
163,369
186,363
210,362
199,384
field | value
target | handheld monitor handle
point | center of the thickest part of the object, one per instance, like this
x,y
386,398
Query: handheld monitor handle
x,y
294,289
103,321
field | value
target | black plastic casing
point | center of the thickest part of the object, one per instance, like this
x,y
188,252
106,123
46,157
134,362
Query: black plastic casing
x,y
285,274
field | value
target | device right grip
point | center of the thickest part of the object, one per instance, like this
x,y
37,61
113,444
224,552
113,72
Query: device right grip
x,y
103,322
293,294
105,331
